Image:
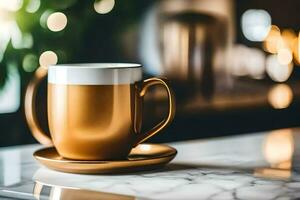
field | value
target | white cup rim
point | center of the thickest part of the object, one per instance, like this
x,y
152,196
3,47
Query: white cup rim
x,y
98,65
95,73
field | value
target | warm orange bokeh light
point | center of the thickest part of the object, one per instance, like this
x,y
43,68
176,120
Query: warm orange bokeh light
x,y
104,6
277,71
273,173
48,58
57,21
280,96
273,37
279,147
298,55
288,36
296,49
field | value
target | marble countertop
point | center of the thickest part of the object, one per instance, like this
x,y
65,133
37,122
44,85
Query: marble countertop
x,y
256,166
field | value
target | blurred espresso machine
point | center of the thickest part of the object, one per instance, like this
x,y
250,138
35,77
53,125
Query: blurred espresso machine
x,y
188,42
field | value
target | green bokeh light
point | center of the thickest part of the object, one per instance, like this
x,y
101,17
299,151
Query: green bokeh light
x,y
30,62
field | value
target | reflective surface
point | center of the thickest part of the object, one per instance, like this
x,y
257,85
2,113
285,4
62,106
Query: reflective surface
x,y
255,166
141,158
44,191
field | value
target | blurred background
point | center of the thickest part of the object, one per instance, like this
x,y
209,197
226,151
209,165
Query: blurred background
x,y
233,64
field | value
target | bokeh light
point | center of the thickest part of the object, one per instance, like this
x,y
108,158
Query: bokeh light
x,y
280,171
27,40
276,71
256,24
44,18
30,62
296,49
57,21
238,66
284,56
21,40
248,62
284,44
289,36
11,5
280,96
298,41
33,6
10,32
48,58
104,6
255,63
279,147
270,43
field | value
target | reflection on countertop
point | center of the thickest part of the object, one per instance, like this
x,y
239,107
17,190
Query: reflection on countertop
x,y
258,166
43,191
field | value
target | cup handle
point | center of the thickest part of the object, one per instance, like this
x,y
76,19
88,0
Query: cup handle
x,y
171,113
30,109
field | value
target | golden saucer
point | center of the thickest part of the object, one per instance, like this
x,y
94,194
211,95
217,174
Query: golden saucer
x,y
143,157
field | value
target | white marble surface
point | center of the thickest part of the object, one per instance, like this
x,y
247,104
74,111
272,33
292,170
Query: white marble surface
x,y
254,166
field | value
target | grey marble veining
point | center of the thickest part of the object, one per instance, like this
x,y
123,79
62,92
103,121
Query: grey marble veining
x,y
255,166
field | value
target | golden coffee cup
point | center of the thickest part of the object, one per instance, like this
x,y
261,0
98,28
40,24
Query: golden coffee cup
x,y
94,110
